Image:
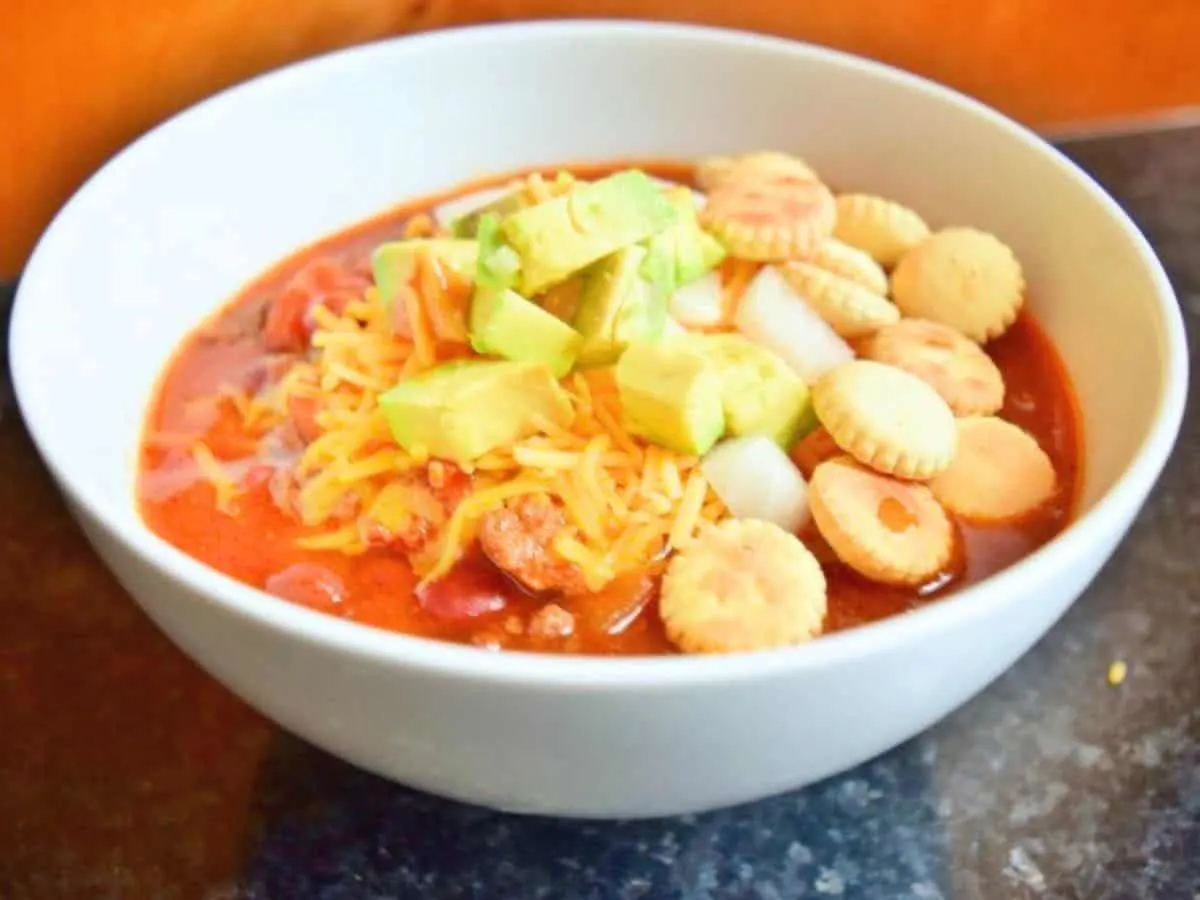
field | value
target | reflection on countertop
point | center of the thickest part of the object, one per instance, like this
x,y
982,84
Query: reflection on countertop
x,y
126,772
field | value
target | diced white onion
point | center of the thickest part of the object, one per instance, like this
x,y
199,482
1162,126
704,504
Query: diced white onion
x,y
700,303
467,203
772,314
756,480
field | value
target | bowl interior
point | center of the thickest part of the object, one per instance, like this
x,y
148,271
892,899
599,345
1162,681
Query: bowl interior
x,y
178,222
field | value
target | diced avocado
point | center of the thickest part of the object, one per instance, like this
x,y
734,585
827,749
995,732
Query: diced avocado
x,y
561,236
393,263
498,266
463,409
467,225
503,323
618,306
671,395
760,393
683,252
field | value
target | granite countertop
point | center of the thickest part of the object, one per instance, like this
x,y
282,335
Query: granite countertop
x,y
125,772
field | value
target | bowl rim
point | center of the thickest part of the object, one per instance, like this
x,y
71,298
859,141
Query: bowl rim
x,y
578,672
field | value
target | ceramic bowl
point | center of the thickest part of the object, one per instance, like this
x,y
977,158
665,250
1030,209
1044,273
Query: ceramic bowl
x,y
172,226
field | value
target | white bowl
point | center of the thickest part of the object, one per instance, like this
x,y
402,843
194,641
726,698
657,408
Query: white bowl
x,y
178,221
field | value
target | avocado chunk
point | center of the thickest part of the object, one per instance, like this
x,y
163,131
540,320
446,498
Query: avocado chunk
x,y
618,306
559,237
683,252
463,409
498,266
394,263
760,393
671,396
467,225
503,323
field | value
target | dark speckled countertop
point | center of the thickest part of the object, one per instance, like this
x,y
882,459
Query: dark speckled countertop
x,y
127,773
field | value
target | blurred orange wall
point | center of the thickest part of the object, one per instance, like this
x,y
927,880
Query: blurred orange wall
x,y
80,78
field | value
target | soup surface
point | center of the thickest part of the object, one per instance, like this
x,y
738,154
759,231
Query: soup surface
x,y
772,396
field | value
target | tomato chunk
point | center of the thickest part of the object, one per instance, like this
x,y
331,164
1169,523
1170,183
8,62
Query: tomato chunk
x,y
286,328
289,324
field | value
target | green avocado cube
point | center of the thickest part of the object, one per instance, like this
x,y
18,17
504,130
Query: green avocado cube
x,y
618,306
463,409
503,323
683,252
394,263
467,225
671,396
559,237
760,393
499,266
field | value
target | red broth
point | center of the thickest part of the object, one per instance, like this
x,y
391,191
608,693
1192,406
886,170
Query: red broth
x,y
476,603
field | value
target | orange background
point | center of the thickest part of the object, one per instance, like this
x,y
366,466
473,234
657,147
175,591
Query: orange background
x,y
80,78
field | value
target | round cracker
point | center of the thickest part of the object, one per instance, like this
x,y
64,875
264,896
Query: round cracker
x,y
712,170
886,418
742,584
850,263
887,530
883,228
955,367
962,277
769,217
849,309
999,473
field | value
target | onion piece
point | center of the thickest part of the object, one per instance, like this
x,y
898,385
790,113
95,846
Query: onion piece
x,y
756,480
456,208
700,303
772,314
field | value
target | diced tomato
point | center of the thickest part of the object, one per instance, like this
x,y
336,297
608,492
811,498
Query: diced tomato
x,y
325,281
286,328
471,589
324,275
308,585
